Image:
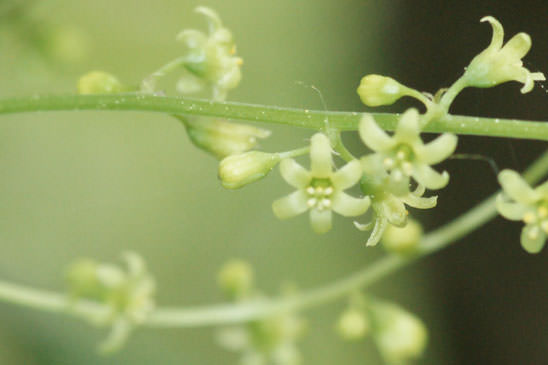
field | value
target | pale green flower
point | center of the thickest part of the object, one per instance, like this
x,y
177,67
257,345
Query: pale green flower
x,y
498,63
320,190
405,155
520,202
377,90
211,59
127,295
236,171
388,208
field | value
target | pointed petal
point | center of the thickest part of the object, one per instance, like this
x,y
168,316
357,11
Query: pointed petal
x,y
363,226
509,210
517,47
321,163
437,150
532,238
320,220
380,226
193,39
498,32
349,206
295,175
408,129
416,201
291,205
430,178
516,188
348,175
373,136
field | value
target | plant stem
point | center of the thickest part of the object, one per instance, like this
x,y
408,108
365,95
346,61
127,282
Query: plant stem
x,y
341,121
223,314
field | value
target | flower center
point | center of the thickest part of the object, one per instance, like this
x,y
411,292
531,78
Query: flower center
x,y
400,160
319,193
538,217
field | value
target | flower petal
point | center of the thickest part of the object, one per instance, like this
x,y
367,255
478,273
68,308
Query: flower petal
x,y
290,205
294,174
430,178
373,136
416,201
321,163
408,129
437,150
517,47
498,32
349,206
378,229
193,39
320,220
532,238
509,210
394,211
348,175
517,188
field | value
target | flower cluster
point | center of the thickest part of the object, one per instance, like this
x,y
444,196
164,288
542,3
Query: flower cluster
x,y
127,295
270,340
521,202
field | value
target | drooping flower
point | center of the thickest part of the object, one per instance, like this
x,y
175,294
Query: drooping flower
x,y
404,154
377,90
521,202
320,190
388,207
236,171
498,63
211,59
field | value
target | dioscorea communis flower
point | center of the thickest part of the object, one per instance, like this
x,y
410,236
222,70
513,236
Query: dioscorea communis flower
x,y
405,155
320,190
498,63
521,202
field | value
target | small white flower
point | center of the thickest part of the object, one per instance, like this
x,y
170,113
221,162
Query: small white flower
x,y
320,190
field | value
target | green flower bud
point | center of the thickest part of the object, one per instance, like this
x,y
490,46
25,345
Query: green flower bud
x,y
236,279
99,82
353,324
402,240
236,171
377,90
222,138
399,335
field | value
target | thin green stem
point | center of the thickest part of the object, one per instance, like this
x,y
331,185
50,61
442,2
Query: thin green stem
x,y
234,313
493,127
341,148
295,153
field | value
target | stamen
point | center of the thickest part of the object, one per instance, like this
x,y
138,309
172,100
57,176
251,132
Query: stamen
x,y
328,190
310,190
311,202
529,218
388,162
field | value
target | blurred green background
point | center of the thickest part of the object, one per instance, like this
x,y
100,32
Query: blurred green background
x,y
92,184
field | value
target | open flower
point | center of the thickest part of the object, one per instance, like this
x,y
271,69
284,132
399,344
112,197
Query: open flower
x,y
520,202
211,58
498,63
320,190
405,155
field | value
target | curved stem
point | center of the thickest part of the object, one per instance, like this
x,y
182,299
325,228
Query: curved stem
x,y
233,313
493,127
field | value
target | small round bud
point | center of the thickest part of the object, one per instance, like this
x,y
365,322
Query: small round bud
x,y
402,240
399,335
99,82
236,278
236,171
353,324
377,90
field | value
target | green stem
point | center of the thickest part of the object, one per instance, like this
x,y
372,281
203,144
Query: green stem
x,y
493,127
234,313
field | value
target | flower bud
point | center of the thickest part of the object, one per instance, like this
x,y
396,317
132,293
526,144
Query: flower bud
x,y
99,82
353,324
402,240
222,138
377,90
399,335
236,279
236,171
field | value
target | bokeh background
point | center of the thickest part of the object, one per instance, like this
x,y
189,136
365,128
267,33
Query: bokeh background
x,y
92,184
